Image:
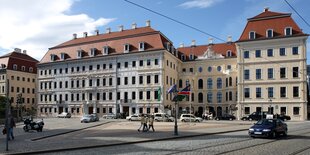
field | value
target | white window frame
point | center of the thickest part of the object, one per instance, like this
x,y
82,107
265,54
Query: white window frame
x,y
126,48
105,50
267,33
93,52
23,68
182,57
79,54
141,46
14,67
253,36
291,31
62,56
30,69
228,53
191,57
53,57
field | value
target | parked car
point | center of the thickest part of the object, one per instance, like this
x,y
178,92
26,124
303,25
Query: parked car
x,y
134,117
64,115
190,117
163,117
88,118
254,116
109,116
95,116
282,117
225,117
268,128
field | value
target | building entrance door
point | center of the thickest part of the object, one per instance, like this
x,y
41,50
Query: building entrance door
x,y
90,110
126,110
60,110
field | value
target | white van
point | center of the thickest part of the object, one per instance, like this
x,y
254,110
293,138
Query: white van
x,y
163,117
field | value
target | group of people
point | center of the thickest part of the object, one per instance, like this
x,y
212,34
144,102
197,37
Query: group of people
x,y
146,123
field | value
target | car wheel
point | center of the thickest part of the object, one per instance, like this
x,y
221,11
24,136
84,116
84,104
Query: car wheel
x,y
197,121
217,119
250,119
182,120
230,119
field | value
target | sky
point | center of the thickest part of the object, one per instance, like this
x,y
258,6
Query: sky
x,y
36,25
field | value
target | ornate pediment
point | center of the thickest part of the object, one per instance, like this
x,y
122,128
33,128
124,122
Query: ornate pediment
x,y
210,54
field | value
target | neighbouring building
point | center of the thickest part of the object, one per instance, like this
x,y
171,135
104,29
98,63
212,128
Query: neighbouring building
x,y
18,80
272,66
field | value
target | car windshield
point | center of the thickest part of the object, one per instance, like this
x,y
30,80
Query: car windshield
x,y
265,122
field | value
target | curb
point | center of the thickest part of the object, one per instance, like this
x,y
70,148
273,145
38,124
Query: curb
x,y
124,143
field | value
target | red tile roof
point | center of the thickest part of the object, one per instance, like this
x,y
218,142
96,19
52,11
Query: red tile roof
x,y
270,20
153,40
20,59
199,50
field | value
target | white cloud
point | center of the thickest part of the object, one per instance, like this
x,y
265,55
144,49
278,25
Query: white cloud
x,y
199,3
36,25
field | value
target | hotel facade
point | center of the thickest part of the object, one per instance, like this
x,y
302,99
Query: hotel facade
x,y
129,71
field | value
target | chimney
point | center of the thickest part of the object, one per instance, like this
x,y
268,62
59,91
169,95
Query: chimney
x,y
97,32
181,45
18,50
121,28
229,39
108,30
148,23
210,41
24,51
134,26
266,9
193,43
74,36
85,34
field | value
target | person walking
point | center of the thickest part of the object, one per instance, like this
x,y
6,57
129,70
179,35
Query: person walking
x,y
145,128
142,123
151,121
11,124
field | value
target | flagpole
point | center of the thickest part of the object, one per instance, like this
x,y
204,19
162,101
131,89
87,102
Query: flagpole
x,y
175,116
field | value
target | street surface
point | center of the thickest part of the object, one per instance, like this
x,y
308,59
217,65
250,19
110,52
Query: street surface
x,y
122,137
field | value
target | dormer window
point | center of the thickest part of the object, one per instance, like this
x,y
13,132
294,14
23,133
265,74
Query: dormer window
x,y
105,50
14,67
176,52
182,57
269,33
191,57
23,68
288,31
53,57
3,66
93,52
80,53
126,48
168,46
141,46
252,35
30,69
228,53
63,56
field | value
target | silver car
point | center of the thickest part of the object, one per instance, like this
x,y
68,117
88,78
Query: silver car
x,y
134,117
109,116
88,118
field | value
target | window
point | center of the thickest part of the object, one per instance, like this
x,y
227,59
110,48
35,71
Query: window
x,y
282,52
103,82
62,56
209,69
191,70
180,83
219,68
258,92
269,52
191,57
246,110
282,91
133,95
30,69
252,35
269,33
156,61
270,73
141,63
258,74
23,68
200,97
14,67
270,92
246,74
209,97
209,83
184,70
126,64
126,48
140,79
148,95
110,66
246,54
148,79
246,92
118,65
200,69
156,79
200,84
296,91
295,72
296,110
219,97
98,67
141,46
288,31
118,96
125,80
219,83
90,67
148,62
134,64
228,53
282,72
79,53
110,81
118,81
110,95
258,53
90,82
295,50
182,57
133,80
141,95
104,66
105,50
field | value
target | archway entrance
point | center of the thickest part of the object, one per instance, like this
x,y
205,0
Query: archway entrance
x,y
219,111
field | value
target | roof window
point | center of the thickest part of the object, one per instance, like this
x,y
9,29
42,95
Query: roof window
x,y
53,57
93,52
63,56
228,53
79,53
141,46
269,33
252,35
105,50
288,31
126,48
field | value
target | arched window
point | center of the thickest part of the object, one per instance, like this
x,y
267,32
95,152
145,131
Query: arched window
x,y
200,84
219,97
209,83
180,83
209,97
230,81
200,97
209,69
219,83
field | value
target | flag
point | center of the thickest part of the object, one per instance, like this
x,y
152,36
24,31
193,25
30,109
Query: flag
x,y
178,97
172,89
185,91
159,94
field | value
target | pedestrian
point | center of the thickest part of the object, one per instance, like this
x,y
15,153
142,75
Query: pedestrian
x,y
142,122
11,124
151,121
145,128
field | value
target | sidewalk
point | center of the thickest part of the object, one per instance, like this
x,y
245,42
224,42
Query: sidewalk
x,y
106,133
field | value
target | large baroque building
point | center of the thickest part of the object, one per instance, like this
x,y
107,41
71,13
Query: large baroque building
x,y
18,79
129,71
